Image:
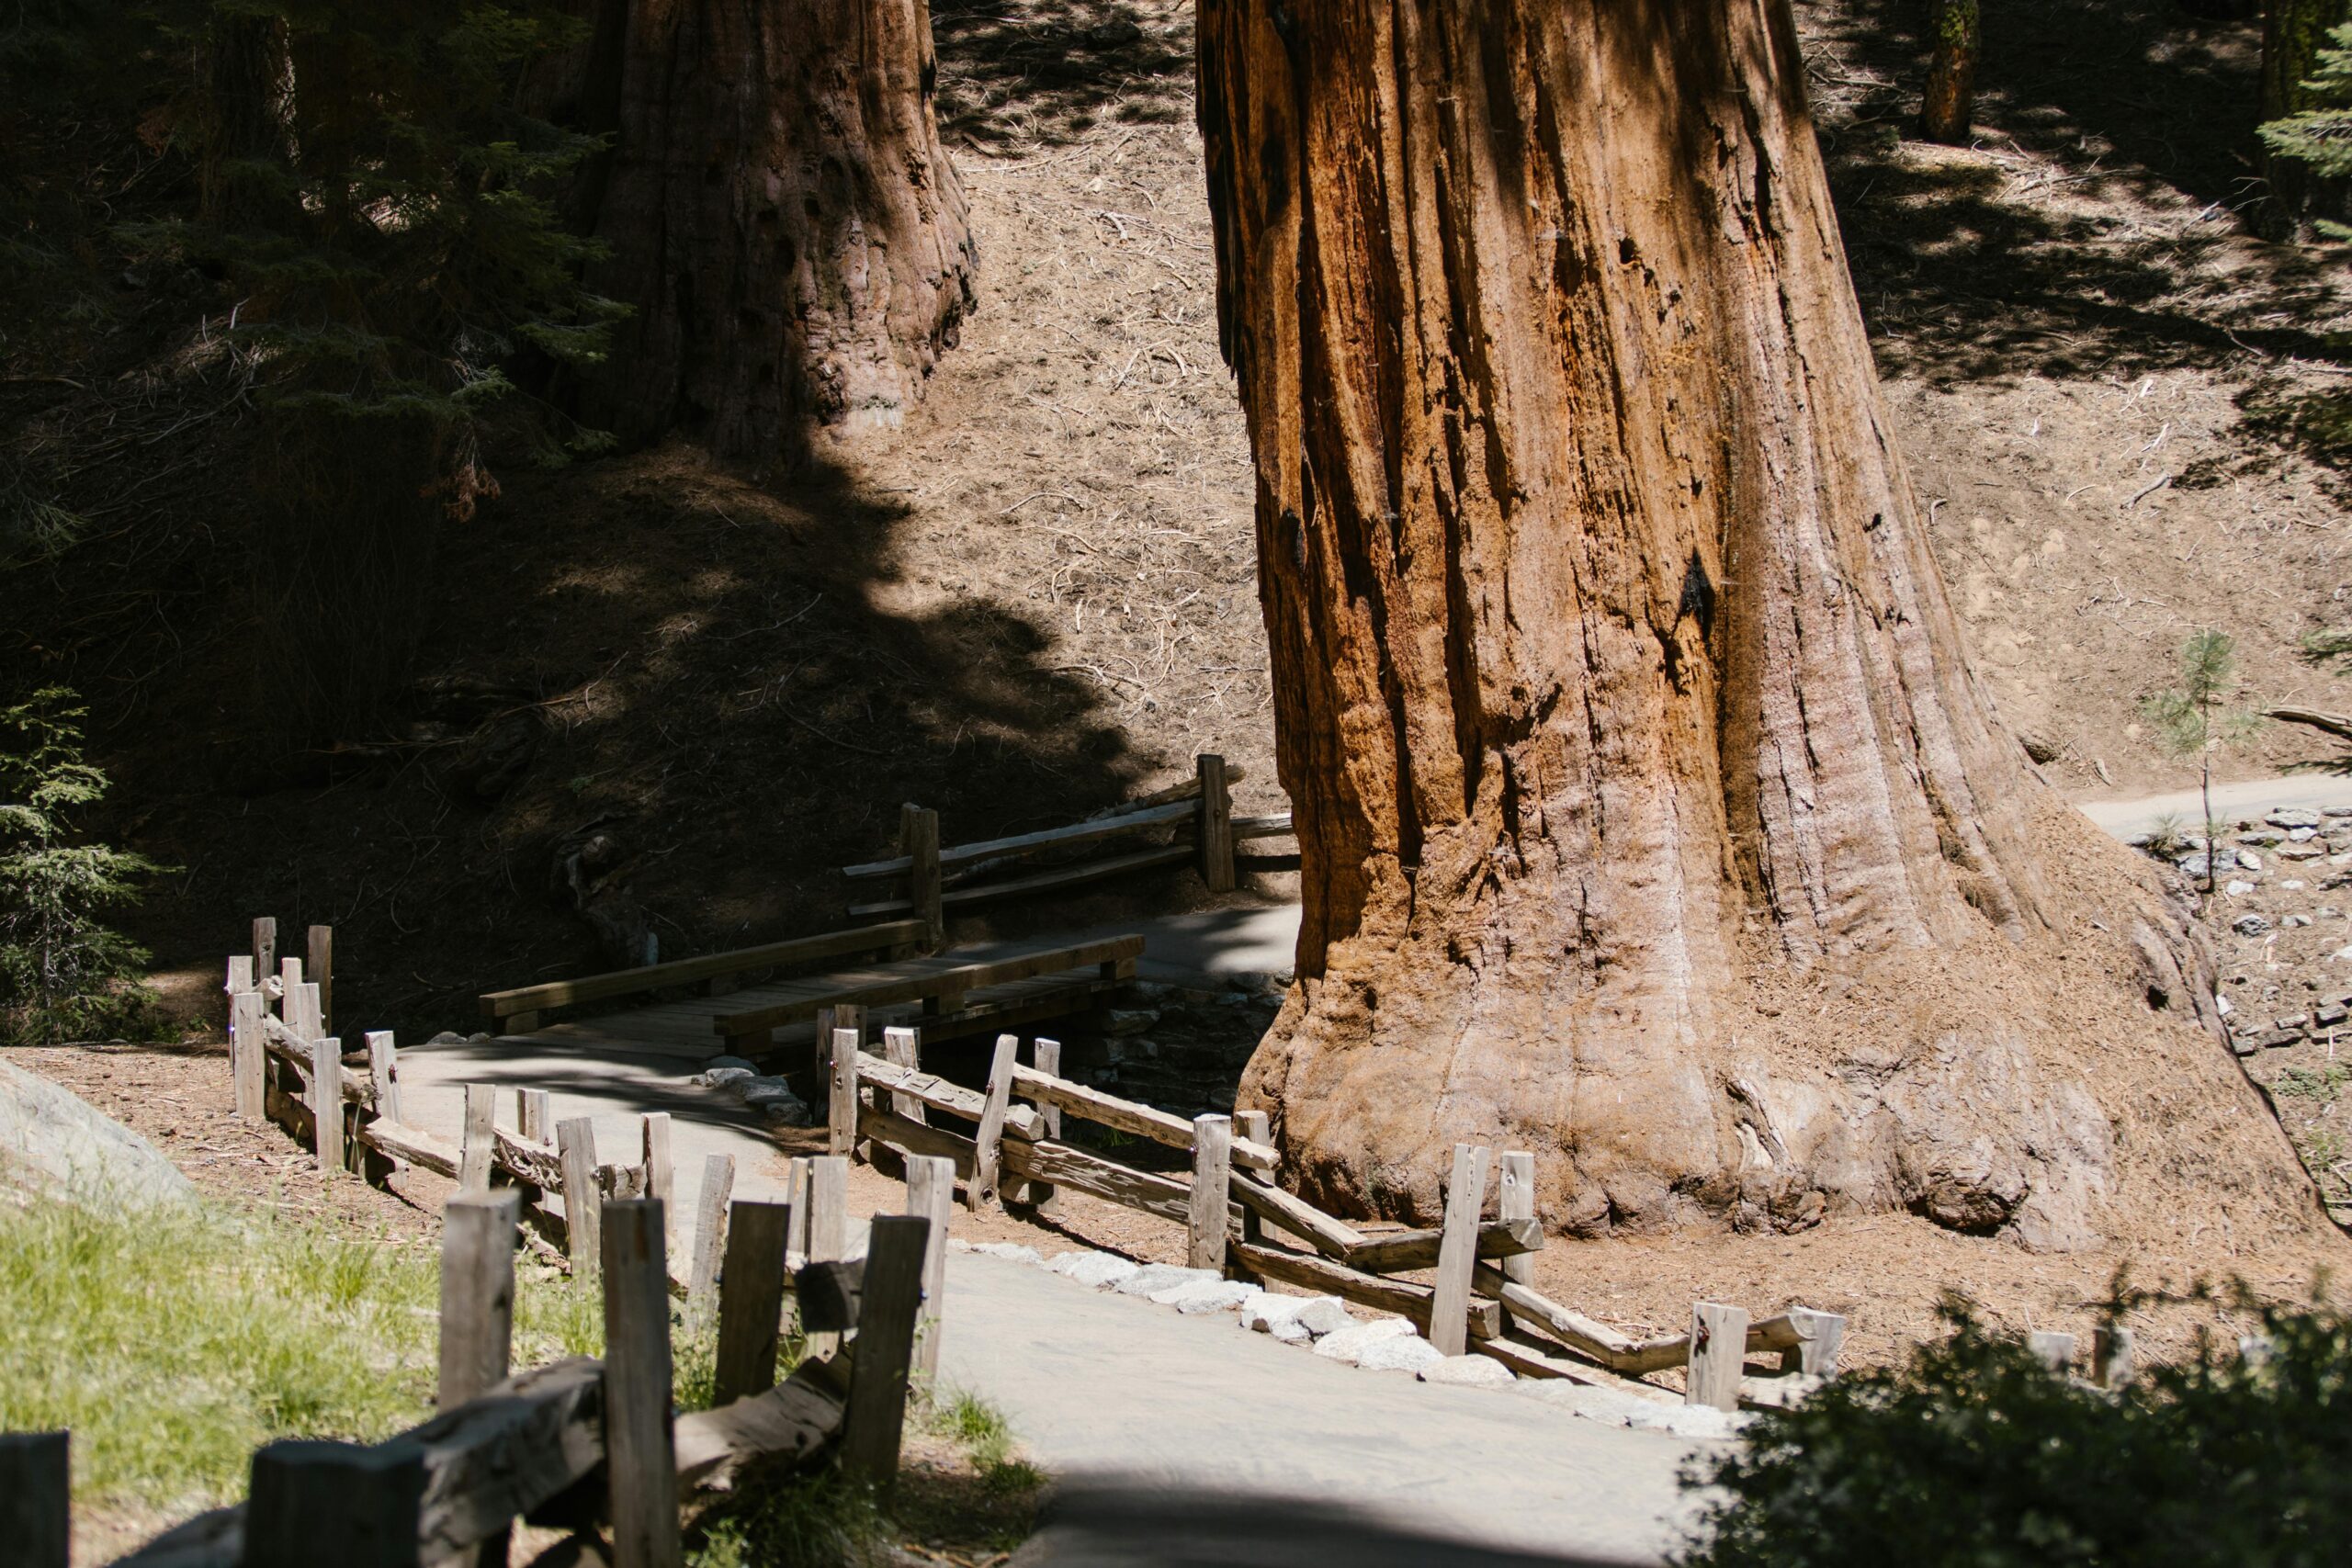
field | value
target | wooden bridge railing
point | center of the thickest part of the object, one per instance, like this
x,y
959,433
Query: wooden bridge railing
x,y
938,880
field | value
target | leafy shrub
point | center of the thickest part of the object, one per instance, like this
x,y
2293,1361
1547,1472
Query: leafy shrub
x,y
64,974
1974,1453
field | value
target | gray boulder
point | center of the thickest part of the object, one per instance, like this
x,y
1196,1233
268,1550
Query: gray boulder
x,y
1096,1271
1153,1278
1349,1344
55,1143
1468,1372
2293,818
1210,1295
1012,1252
1400,1353
1324,1315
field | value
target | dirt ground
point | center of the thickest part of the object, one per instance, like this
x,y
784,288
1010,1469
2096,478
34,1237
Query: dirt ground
x,y
1038,597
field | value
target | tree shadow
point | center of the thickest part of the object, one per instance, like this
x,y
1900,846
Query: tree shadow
x,y
2096,224
1014,72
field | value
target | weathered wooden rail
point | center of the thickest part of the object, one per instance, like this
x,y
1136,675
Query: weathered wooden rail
x,y
934,881
1480,1298
589,1446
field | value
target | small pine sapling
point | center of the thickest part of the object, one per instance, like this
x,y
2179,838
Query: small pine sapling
x,y
2196,718
63,972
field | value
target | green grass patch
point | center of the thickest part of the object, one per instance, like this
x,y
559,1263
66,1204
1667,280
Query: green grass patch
x,y
172,1343
2312,1083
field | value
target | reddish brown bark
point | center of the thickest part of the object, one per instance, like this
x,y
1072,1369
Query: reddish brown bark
x,y
1949,111
782,221
1650,816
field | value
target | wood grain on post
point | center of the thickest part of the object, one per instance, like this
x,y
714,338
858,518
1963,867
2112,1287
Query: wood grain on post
x,y
36,1498
575,1145
531,1114
478,1145
384,1072
240,973
301,1007
477,1293
796,1192
640,1455
1212,1182
1515,1200
841,1103
265,947
1718,1352
1823,1336
875,1417
989,1141
326,1102
711,1232
827,1228
1458,1252
1216,829
750,1301
921,849
315,1502
290,975
1045,1194
904,1048
320,952
931,1193
660,1175
248,1056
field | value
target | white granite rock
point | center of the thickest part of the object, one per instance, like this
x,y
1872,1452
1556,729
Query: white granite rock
x,y
1402,1353
1690,1421
1349,1343
1153,1278
1468,1372
54,1142
1211,1295
1324,1315
1097,1270
1012,1252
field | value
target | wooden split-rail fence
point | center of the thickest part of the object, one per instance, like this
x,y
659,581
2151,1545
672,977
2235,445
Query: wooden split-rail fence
x,y
934,881
1003,1142
590,1446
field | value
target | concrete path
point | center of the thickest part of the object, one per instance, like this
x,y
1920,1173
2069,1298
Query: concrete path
x,y
1194,1421
2248,797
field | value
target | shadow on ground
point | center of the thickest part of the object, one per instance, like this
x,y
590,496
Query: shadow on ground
x,y
1015,72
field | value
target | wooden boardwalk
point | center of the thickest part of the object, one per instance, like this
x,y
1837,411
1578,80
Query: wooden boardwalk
x,y
929,994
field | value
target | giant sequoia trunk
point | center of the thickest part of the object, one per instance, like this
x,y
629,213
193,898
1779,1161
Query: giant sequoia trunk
x,y
1949,111
1650,815
783,220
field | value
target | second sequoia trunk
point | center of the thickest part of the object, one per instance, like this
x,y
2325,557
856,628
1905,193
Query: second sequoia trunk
x,y
1650,816
782,221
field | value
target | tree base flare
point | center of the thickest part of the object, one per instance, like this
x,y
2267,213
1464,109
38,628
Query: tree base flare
x,y
2052,1090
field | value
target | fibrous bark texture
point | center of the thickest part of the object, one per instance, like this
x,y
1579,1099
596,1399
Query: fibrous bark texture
x,y
1951,73
1650,816
782,221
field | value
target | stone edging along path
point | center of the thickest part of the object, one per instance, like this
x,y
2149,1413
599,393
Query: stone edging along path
x,y
1325,1326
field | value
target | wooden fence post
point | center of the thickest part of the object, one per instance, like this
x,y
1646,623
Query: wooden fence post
x,y
289,979
921,830
796,1192
1457,1253
903,1047
827,1228
1214,832
2114,1356
240,973
575,1147
1718,1354
301,1009
640,1456
710,1232
36,1498
931,1192
750,1301
841,1103
875,1417
265,947
316,1502
249,1054
1212,1186
384,1068
531,1114
478,1149
659,1173
326,1101
987,1155
321,953
1823,1336
477,1292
